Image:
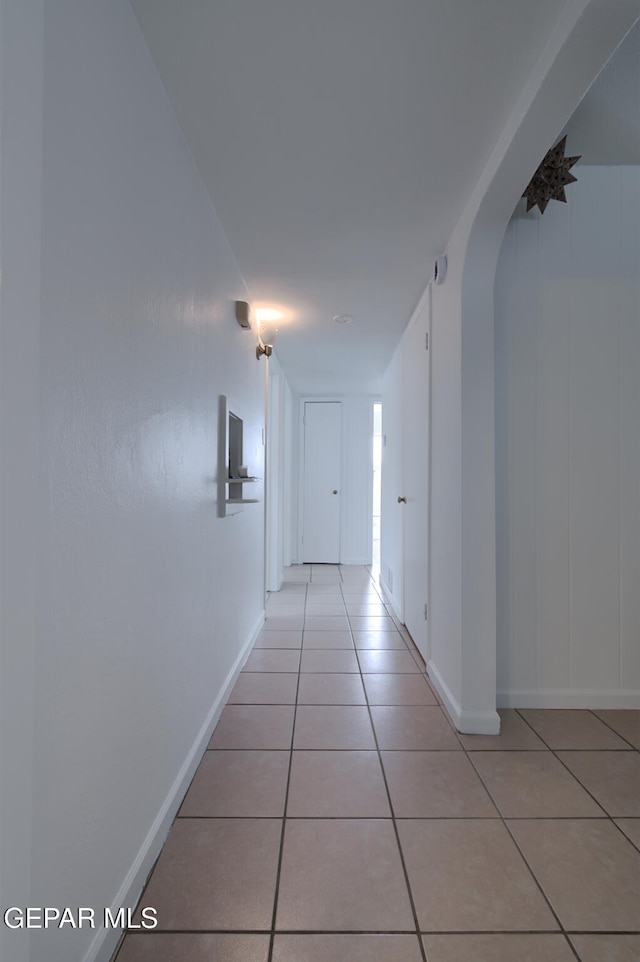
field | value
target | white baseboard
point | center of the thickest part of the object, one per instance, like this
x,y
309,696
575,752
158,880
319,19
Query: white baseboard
x,y
568,698
356,561
390,600
467,722
104,944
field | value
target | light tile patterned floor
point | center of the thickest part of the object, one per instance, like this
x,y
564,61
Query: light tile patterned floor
x,y
338,817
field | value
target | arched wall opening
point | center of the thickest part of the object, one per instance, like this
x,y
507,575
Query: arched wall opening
x,y
463,662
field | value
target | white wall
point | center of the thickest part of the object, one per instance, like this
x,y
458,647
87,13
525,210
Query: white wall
x,y
21,93
357,505
568,447
138,599
280,503
463,586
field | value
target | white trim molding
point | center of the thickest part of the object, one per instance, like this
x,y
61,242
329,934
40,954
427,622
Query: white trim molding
x,y
568,698
466,722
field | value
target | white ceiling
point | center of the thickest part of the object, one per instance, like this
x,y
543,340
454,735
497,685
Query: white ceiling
x,y
339,141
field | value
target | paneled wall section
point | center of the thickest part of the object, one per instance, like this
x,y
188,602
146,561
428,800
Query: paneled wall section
x,y
567,368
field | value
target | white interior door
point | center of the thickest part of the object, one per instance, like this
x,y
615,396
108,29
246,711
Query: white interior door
x,y
322,481
415,477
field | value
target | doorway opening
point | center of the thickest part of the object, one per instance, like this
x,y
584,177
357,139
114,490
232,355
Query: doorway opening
x,y
376,449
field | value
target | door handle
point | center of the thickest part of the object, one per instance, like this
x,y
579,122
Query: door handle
x,y
401,500
335,491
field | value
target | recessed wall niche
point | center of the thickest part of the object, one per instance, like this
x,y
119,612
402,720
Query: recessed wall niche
x,y
235,467
233,473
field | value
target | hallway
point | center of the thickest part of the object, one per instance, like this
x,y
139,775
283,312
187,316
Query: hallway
x,y
338,816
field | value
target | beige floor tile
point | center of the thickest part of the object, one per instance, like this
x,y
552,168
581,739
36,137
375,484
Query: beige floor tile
x,y
327,784
631,828
413,728
515,735
341,868
316,688
533,785
342,875
254,726
346,948
397,662
284,609
352,591
613,778
417,655
241,784
626,722
288,599
325,610
192,947
356,573
378,640
371,622
369,609
607,948
406,689
326,623
435,785
327,639
502,947
340,727
467,875
588,870
264,688
273,659
216,874
316,659
279,639
570,728
278,622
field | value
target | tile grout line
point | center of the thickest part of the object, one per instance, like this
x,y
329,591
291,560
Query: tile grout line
x,y
599,818
469,752
276,893
594,712
605,817
503,820
393,818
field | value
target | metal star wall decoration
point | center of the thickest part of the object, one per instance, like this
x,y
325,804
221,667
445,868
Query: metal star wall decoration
x,y
551,178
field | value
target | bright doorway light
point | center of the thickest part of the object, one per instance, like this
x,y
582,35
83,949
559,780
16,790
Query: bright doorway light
x,y
377,487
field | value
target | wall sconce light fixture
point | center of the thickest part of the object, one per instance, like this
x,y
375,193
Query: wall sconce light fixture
x,y
266,317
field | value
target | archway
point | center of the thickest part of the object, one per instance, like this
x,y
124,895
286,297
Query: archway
x,y
463,663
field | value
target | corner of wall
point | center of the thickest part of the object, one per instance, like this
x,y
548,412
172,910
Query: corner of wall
x,y
468,722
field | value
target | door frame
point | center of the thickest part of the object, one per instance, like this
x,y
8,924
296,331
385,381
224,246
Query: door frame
x,y
424,306
326,399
